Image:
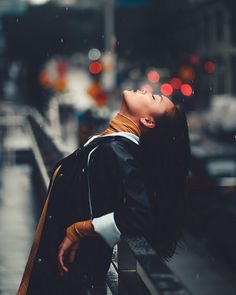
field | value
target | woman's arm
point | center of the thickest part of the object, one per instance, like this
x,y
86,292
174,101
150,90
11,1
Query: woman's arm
x,y
133,216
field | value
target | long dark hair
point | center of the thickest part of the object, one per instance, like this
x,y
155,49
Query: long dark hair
x,y
166,157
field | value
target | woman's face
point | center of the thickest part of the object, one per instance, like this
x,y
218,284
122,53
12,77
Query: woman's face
x,y
143,104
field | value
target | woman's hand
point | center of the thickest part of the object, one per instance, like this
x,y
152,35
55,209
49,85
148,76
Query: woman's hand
x,y
69,246
67,250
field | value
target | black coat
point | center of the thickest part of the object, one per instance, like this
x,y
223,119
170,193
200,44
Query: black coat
x,y
116,185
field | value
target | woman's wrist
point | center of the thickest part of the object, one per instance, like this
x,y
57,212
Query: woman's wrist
x,y
80,230
72,234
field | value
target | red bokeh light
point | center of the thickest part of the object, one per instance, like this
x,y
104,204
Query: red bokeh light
x,y
153,76
210,67
147,87
186,89
166,89
194,60
176,83
62,68
95,67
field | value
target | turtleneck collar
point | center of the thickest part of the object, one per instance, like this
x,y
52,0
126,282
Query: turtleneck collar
x,y
122,123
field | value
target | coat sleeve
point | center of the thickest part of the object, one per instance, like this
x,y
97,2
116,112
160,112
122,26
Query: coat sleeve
x,y
134,216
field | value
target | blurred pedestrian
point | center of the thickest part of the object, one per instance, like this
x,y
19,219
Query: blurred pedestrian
x,y
130,179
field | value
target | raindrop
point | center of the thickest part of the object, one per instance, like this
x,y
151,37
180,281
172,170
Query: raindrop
x,y
62,40
102,36
197,276
67,8
235,136
17,20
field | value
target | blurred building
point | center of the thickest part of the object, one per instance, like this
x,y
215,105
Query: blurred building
x,y
203,35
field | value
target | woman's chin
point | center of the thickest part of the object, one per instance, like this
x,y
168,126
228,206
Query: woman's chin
x,y
125,92
128,94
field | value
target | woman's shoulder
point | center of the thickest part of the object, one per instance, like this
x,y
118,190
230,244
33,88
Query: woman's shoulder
x,y
119,142
66,159
118,147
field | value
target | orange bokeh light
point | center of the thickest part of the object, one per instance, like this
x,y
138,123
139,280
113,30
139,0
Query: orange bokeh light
x,y
44,80
187,73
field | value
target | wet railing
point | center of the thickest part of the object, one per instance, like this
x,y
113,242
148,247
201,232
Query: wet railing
x,y
136,267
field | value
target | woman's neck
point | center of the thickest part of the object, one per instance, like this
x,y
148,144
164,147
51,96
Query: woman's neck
x,y
121,122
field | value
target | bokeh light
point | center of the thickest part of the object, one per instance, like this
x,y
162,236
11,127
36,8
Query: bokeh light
x,y
153,76
94,54
186,90
44,79
95,67
176,82
166,89
38,2
194,60
62,68
209,67
187,73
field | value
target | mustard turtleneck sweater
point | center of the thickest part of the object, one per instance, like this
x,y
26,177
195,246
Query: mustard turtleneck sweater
x,y
122,123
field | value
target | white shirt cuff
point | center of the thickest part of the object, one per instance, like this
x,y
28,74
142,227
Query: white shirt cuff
x,y
106,227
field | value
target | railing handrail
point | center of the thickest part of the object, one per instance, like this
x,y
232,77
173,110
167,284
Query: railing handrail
x,y
157,277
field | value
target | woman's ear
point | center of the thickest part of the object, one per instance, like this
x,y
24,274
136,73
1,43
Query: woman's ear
x,y
148,122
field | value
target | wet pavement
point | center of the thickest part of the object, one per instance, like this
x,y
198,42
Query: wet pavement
x,y
17,224
17,218
201,271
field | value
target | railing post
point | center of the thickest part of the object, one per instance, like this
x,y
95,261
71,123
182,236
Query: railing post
x,y
126,264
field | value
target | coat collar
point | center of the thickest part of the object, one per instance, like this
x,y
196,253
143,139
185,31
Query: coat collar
x,y
128,135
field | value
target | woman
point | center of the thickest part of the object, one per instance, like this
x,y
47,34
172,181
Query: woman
x,y
118,183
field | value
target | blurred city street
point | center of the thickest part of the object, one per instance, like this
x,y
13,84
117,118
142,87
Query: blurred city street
x,y
17,206
63,68
201,270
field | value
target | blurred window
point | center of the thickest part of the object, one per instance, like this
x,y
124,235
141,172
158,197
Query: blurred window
x,y
207,29
221,75
222,167
233,71
219,25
